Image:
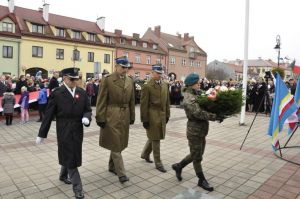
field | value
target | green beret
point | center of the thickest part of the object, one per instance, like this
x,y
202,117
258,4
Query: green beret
x,y
191,79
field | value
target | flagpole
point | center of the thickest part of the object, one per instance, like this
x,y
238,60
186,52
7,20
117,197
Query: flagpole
x,y
245,67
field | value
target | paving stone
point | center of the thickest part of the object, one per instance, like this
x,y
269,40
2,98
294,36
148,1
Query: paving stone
x,y
31,171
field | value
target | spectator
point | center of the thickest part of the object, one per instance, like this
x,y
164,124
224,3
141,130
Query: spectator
x,y
8,103
24,103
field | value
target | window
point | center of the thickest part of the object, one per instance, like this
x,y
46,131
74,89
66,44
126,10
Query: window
x,y
76,35
126,54
7,27
7,52
148,59
158,60
37,51
76,55
183,62
107,40
191,63
198,64
90,57
133,42
106,58
145,45
91,37
122,41
60,32
258,70
172,60
59,53
154,46
138,58
37,28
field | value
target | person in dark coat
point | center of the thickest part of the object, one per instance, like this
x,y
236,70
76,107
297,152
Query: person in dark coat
x,y
8,103
72,109
20,83
53,82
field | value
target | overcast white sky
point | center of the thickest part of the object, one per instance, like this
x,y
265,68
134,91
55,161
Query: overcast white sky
x,y
217,25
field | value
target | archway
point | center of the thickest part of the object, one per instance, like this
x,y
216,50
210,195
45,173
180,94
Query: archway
x,y
33,71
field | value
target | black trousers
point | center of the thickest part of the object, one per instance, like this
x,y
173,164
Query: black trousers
x,y
74,177
42,108
8,119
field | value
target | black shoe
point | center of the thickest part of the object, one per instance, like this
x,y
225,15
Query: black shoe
x,y
79,195
147,160
178,170
65,180
39,120
123,179
161,169
112,171
205,185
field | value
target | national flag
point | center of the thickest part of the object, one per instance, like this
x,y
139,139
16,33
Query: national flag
x,y
293,125
283,106
295,68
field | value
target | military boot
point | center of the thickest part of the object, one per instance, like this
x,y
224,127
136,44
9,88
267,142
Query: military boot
x,y
202,182
178,168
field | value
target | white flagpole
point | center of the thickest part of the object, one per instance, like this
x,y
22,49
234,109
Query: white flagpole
x,y
245,67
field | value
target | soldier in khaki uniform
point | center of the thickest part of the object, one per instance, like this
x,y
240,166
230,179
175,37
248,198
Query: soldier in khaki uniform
x,y
155,114
115,111
197,130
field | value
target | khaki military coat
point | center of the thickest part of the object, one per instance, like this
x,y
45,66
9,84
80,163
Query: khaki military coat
x,y
155,108
116,107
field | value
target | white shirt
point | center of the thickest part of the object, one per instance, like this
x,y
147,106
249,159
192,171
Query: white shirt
x,y
69,89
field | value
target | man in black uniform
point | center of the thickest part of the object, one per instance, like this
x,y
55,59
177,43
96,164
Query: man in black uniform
x,y
71,107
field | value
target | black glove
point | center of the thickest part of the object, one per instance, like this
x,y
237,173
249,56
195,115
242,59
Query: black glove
x,y
101,124
167,119
146,125
220,119
131,122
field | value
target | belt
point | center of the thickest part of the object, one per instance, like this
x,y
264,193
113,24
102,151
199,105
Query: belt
x,y
119,105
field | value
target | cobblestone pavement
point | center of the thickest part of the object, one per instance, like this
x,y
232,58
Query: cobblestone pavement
x,y
30,171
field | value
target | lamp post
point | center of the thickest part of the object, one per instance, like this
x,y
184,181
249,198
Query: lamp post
x,y
277,48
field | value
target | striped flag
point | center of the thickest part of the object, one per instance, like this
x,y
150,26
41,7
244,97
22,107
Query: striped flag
x,y
293,125
283,106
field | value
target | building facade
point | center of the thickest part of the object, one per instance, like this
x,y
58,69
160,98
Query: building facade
x,y
52,42
9,44
141,53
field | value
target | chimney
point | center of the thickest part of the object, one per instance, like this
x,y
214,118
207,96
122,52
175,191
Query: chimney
x,y
101,23
186,37
118,32
11,6
46,12
135,36
157,31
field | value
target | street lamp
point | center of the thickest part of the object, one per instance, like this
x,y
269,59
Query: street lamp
x,y
277,48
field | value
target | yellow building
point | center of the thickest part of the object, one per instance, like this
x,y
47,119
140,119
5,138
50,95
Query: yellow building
x,y
52,42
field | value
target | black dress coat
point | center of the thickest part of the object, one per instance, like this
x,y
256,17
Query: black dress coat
x,y
69,112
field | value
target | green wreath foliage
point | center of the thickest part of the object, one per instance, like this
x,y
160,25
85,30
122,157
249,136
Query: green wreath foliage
x,y
226,103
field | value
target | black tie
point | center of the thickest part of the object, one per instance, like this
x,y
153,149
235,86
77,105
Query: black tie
x,y
72,90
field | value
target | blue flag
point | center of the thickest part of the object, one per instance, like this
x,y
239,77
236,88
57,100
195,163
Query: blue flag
x,y
283,106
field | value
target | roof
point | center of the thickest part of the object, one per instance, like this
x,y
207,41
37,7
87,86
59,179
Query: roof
x,y
35,16
174,42
131,38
